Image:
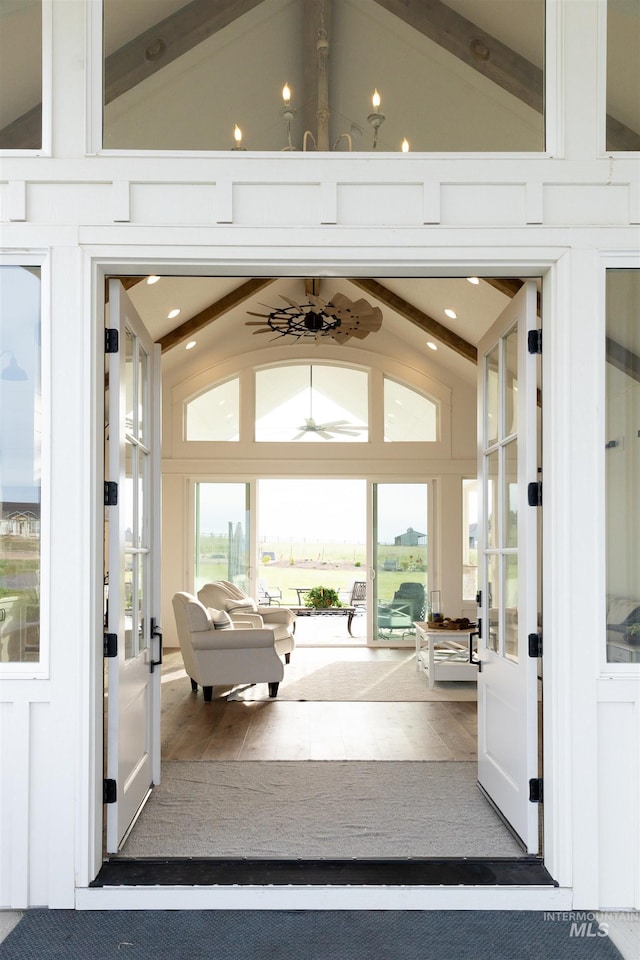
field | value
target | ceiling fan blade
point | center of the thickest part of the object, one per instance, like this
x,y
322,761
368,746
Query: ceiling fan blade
x,y
324,435
298,435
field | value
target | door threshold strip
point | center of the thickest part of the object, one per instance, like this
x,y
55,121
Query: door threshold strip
x,y
156,871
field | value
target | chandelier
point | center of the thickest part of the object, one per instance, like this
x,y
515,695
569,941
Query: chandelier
x,y
339,318
319,140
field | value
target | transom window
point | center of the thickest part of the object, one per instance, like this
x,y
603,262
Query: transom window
x,y
313,403
359,75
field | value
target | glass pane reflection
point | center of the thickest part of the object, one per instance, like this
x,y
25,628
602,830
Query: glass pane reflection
x,y
493,603
20,459
511,607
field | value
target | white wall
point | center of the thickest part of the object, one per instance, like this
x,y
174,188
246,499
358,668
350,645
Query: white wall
x,y
569,214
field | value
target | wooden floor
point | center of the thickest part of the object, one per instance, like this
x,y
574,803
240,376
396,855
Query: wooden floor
x,y
281,730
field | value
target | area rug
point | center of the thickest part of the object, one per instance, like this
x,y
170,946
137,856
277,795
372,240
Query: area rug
x,y
349,680
319,809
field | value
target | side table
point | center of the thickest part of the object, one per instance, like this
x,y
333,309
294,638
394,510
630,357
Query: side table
x,y
445,654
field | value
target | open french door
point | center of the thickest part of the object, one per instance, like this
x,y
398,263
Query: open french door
x,y
133,553
508,566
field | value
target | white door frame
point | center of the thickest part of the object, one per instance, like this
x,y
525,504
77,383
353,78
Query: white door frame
x,y
553,265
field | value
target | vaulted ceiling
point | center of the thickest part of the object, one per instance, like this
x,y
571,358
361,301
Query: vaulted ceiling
x,y
501,43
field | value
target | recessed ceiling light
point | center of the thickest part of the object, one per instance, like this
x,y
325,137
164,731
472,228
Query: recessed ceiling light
x,y
173,313
451,313
152,279
190,345
432,345
473,280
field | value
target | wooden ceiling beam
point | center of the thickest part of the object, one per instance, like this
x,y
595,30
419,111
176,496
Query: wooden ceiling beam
x,y
213,312
418,317
174,36
478,49
490,57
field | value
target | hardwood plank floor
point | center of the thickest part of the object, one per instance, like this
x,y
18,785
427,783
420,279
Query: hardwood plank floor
x,y
310,730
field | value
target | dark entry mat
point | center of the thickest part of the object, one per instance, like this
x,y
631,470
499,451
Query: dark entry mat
x,y
451,871
314,935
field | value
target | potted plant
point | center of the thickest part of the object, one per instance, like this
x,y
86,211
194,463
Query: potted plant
x,y
320,598
633,633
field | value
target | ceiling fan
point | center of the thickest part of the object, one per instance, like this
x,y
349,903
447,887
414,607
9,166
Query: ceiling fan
x,y
339,318
325,430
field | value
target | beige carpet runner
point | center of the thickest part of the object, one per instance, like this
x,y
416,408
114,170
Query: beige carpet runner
x,y
349,680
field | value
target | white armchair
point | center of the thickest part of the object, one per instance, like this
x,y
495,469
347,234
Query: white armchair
x,y
216,653
224,595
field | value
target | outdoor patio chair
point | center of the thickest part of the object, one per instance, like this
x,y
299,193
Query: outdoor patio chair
x,y
406,607
267,597
358,596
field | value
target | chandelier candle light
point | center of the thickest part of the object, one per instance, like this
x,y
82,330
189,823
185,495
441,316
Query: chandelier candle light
x,y
376,119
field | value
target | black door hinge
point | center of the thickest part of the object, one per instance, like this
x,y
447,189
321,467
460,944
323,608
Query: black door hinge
x,y
109,791
110,493
534,493
110,644
534,341
535,790
111,340
535,645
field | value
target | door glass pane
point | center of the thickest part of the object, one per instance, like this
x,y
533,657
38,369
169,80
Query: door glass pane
x,y
622,464
492,422
128,377
142,426
400,559
511,607
510,384
143,619
469,539
130,607
128,500
466,75
623,75
20,74
20,463
493,602
222,533
493,493
511,493
141,505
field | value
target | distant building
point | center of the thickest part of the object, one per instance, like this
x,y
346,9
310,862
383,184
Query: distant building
x,y
412,538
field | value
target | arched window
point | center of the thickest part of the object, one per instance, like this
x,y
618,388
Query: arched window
x,y
408,415
215,415
311,402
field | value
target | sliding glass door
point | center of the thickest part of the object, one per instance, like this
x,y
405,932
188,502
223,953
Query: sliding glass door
x,y
222,533
400,560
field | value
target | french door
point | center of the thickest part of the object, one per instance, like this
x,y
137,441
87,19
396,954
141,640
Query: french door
x,y
134,648
508,566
